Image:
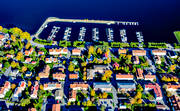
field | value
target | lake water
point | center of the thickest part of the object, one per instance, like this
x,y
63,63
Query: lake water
x,y
158,18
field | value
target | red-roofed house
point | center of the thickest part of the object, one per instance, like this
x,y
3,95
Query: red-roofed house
x,y
34,90
122,51
45,72
28,52
156,88
52,86
150,77
124,76
28,60
139,74
40,53
59,76
56,107
73,76
50,60
79,86
172,87
139,52
159,52
9,56
5,89
72,95
76,52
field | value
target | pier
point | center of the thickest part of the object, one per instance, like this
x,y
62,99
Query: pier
x,y
54,19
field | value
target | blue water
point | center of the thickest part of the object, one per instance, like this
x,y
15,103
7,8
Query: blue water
x,y
158,18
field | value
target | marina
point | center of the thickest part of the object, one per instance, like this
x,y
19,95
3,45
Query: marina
x,y
110,34
107,22
82,34
67,33
95,34
53,33
123,36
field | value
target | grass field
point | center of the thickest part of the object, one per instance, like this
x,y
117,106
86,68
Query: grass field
x,y
177,34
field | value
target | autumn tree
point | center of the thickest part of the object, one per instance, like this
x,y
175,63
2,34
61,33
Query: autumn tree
x,y
28,45
104,95
15,31
139,101
1,28
13,86
37,78
99,51
90,51
25,35
24,69
89,103
41,87
19,56
93,92
13,64
29,83
133,101
13,38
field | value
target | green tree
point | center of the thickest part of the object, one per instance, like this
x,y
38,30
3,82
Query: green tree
x,y
71,68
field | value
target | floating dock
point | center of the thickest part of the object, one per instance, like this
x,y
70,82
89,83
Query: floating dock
x,y
54,19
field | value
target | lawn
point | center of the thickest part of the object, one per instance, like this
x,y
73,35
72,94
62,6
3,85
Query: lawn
x,y
177,34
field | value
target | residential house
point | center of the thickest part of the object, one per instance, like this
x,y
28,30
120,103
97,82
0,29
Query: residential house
x,y
9,55
172,87
122,51
124,76
72,95
103,86
3,38
28,52
40,53
73,76
56,107
19,89
28,73
50,60
150,77
158,52
52,86
79,86
61,69
76,52
139,73
5,89
126,85
139,52
0,66
14,72
96,69
58,51
175,103
34,90
33,62
28,60
59,94
172,54
157,59
116,65
32,109
45,72
156,88
59,76
136,60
